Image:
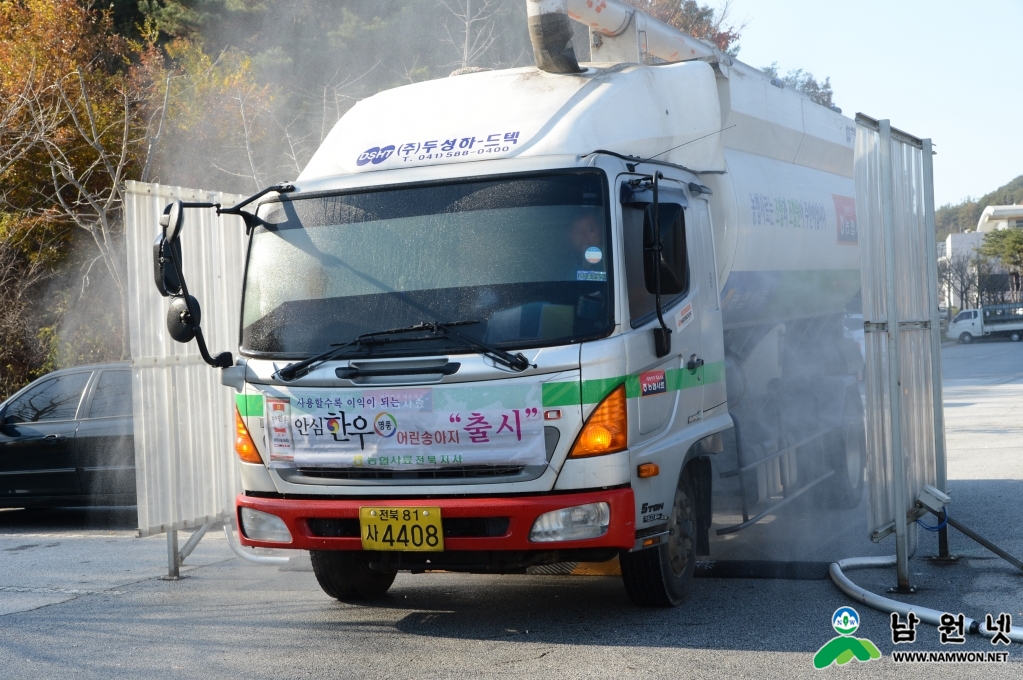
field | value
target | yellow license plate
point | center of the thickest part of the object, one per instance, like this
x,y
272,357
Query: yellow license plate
x,y
404,529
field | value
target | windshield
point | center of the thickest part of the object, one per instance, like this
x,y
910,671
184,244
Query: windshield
x,y
526,257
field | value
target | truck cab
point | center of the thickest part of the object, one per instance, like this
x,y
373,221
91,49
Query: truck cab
x,y
575,452
967,325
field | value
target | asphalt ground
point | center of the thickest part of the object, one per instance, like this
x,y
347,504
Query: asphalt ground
x,y
81,597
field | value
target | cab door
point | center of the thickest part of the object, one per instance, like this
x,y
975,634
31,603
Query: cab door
x,y
710,320
664,387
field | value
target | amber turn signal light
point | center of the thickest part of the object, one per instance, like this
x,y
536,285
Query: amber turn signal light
x,y
648,470
607,430
243,444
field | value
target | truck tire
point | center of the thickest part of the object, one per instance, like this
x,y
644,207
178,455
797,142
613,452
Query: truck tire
x,y
346,576
965,339
1016,336
847,445
663,576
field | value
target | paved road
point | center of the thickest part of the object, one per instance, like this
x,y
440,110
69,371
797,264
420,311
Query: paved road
x,y
81,597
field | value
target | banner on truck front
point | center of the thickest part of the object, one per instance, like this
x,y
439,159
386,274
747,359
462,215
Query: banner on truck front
x,y
406,427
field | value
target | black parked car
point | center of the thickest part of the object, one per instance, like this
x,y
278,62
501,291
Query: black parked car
x,y
67,439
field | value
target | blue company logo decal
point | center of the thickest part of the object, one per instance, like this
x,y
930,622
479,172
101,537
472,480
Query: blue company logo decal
x,y
375,155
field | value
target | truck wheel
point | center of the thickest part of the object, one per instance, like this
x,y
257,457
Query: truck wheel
x,y
346,576
965,339
1016,336
848,444
663,576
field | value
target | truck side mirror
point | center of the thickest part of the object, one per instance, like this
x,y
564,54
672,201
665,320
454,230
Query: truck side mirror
x,y
168,246
165,276
172,219
180,324
672,259
183,315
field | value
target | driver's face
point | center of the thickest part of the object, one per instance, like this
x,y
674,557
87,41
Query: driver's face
x,y
586,231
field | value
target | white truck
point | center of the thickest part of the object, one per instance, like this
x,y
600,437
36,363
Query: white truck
x,y
543,315
1003,320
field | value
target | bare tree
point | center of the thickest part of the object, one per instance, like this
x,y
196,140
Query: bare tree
x,y
945,281
248,132
474,34
962,278
88,170
154,137
21,350
992,282
16,138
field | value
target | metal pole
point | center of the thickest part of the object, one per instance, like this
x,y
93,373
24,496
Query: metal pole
x,y
173,566
894,381
987,544
193,541
940,469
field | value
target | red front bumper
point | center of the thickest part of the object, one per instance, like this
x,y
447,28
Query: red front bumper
x,y
521,511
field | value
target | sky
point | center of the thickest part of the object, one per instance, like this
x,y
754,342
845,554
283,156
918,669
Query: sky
x,y
951,71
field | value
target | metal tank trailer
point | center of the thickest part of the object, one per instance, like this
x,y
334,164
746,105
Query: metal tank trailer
x,y
724,256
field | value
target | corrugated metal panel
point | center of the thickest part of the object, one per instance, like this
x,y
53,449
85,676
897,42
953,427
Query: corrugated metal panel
x,y
899,348
184,456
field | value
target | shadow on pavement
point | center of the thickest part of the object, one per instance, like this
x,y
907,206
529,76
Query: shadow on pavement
x,y
13,520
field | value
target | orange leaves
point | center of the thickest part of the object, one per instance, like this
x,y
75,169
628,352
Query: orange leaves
x,y
41,40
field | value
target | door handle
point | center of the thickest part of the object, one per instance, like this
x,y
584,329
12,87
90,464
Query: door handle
x,y
694,363
54,437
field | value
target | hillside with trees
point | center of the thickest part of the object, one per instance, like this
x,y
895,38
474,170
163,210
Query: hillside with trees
x,y
961,217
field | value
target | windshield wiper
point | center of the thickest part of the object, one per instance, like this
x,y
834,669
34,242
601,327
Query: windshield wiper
x,y
300,368
516,362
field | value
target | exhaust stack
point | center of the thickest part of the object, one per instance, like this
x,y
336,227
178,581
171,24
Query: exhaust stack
x,y
618,32
551,35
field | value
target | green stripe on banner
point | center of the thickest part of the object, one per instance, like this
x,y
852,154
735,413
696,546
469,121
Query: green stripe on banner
x,y
249,404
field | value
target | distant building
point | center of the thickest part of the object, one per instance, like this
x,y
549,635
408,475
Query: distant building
x,y
960,246
998,217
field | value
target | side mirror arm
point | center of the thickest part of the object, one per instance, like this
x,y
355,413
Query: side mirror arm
x,y
224,359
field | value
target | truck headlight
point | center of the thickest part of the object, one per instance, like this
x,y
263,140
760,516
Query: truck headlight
x,y
572,524
262,526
